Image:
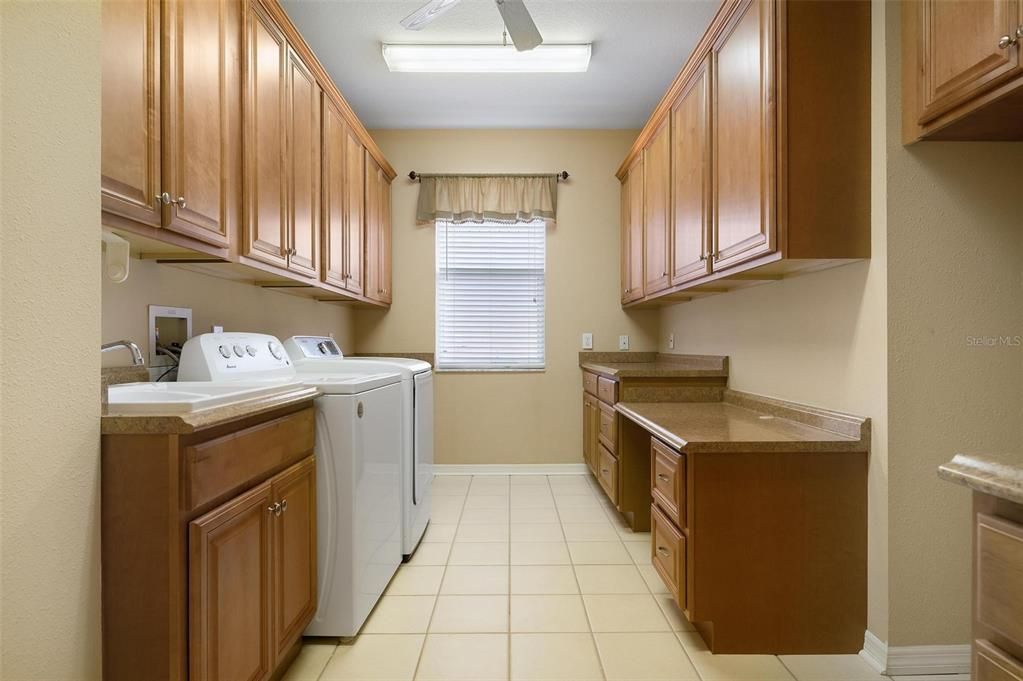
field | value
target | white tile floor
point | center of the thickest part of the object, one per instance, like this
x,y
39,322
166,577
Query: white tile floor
x,y
530,578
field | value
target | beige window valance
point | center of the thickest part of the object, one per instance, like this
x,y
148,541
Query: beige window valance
x,y
480,198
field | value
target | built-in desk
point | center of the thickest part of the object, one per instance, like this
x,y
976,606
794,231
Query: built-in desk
x,y
758,516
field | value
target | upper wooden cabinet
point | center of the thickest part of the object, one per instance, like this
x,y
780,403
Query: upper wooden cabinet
x,y
378,232
962,70
691,197
632,231
170,112
225,137
767,168
657,209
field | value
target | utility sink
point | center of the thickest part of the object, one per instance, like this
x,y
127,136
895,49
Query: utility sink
x,y
187,396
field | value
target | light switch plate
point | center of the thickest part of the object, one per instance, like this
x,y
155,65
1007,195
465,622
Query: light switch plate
x,y
587,341
623,342
671,341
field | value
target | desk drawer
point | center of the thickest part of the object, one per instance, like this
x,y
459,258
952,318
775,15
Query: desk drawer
x,y
231,462
991,663
999,582
607,390
590,383
669,554
608,432
607,472
668,481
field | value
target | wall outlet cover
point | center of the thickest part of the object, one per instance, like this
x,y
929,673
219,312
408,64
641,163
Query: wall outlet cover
x,y
623,342
587,341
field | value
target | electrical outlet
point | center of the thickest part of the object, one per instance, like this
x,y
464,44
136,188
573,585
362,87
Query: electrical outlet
x,y
623,342
587,341
218,329
671,341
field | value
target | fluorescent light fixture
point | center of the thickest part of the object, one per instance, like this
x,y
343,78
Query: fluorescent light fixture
x,y
486,58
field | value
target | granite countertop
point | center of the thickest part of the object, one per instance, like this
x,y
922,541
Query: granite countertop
x,y
986,474
747,423
157,424
652,365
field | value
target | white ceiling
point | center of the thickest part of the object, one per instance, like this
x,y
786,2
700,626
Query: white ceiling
x,y
638,47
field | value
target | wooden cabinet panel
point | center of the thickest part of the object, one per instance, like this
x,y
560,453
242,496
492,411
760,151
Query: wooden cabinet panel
x,y
656,209
378,233
229,590
294,552
591,428
130,157
668,481
743,150
333,220
959,52
199,106
590,382
607,472
632,233
999,585
608,431
355,209
668,555
265,232
607,390
303,168
993,664
691,180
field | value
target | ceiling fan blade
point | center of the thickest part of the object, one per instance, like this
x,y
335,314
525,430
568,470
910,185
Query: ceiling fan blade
x,y
419,19
520,24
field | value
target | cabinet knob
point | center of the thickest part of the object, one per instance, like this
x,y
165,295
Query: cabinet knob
x,y
663,551
179,202
275,508
664,273
163,199
703,257
284,505
1007,41
662,477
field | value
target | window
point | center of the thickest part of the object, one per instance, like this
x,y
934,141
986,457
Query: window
x,y
490,295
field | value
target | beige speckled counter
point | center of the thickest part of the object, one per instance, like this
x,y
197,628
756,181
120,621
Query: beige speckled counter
x,y
651,365
987,475
749,423
156,424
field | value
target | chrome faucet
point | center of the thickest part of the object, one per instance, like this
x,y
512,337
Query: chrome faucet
x,y
136,354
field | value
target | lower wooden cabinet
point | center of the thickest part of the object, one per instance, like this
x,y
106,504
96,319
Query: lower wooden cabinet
x,y
607,472
591,430
252,577
990,663
668,554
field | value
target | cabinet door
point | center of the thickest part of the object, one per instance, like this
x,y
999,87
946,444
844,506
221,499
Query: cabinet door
x,y
333,243
303,168
294,552
690,181
588,430
229,590
130,148
744,145
264,194
384,250
960,56
202,87
378,233
355,210
656,208
632,232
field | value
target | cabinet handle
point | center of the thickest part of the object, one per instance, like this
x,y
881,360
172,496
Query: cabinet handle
x,y
179,202
1007,41
664,273
275,509
163,199
284,505
604,470
663,551
662,477
703,257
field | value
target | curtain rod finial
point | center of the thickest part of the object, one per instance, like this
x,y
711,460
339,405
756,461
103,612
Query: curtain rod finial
x,y
563,175
413,175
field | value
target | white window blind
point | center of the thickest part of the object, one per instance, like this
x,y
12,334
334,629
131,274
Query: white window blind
x,y
490,295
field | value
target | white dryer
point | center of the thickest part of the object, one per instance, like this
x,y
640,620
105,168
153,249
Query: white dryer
x,y
416,425
358,469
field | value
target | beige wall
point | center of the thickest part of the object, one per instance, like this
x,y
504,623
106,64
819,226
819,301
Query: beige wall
x,y
507,417
234,305
49,327
955,243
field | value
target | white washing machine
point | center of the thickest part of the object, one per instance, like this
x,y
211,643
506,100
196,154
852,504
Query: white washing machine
x,y
416,428
358,467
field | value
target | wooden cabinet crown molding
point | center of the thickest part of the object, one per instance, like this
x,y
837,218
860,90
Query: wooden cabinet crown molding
x,y
295,38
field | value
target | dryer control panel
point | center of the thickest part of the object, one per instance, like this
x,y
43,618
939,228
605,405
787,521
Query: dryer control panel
x,y
313,347
233,356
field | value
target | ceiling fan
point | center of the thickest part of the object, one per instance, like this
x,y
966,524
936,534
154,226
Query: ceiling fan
x,y
516,18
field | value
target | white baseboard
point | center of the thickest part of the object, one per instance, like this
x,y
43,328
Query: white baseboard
x,y
510,469
921,663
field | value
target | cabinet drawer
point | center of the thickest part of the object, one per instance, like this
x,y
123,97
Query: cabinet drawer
x,y
218,466
669,554
608,433
607,473
590,382
668,481
607,390
999,586
991,663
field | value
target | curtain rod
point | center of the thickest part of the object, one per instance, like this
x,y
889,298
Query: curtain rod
x,y
562,176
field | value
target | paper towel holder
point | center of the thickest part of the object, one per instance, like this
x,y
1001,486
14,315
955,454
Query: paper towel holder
x,y
116,256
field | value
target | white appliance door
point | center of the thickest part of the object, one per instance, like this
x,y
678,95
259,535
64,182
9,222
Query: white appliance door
x,y
422,458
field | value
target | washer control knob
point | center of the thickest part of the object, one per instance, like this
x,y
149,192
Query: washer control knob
x,y
251,350
275,350
239,351
322,347
225,352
